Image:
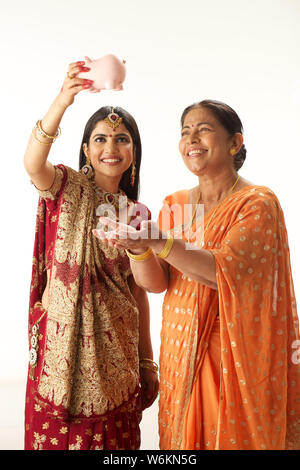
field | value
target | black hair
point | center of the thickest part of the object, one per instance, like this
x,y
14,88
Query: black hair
x,y
228,118
132,192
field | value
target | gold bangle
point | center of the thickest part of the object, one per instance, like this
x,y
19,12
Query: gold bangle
x,y
167,248
44,134
145,359
39,141
140,257
148,364
145,366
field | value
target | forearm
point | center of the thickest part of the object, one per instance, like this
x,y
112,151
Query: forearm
x,y
152,272
198,264
148,374
37,153
145,345
140,296
150,275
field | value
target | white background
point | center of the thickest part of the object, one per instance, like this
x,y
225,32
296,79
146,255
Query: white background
x,y
245,53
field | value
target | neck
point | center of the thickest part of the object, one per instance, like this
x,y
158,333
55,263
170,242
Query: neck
x,y
215,188
110,184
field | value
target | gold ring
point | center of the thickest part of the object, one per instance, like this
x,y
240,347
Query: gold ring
x,y
69,76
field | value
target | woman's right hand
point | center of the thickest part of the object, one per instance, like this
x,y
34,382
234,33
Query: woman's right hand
x,y
73,85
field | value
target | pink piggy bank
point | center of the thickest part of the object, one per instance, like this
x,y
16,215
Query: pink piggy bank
x,y
108,73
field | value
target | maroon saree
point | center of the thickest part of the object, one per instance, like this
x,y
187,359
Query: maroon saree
x,y
83,389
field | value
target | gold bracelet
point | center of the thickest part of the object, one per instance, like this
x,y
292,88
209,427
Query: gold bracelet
x,y
140,257
145,366
167,248
148,364
44,134
39,141
145,359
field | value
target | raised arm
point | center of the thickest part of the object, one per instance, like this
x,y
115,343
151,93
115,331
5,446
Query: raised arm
x,y
39,169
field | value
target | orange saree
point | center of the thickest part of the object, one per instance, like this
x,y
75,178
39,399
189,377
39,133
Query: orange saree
x,y
229,359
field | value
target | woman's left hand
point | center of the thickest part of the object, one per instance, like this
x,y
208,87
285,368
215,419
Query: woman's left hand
x,y
127,237
149,385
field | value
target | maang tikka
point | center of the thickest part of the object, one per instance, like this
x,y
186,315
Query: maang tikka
x,y
113,119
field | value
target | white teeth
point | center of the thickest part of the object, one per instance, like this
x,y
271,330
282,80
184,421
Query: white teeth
x,y
111,160
194,152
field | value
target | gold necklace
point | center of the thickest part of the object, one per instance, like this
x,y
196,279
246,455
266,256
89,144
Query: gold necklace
x,y
212,216
118,200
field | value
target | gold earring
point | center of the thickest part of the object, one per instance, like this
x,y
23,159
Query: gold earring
x,y
232,152
87,169
133,171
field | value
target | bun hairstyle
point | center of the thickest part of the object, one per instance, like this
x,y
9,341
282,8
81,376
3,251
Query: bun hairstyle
x,y
228,118
132,192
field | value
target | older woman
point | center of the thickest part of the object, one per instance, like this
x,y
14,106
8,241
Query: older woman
x,y
91,371
229,369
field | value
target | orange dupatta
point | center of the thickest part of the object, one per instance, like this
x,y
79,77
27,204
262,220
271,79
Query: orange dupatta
x,y
259,401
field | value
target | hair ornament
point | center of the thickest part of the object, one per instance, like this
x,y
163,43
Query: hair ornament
x,y
113,119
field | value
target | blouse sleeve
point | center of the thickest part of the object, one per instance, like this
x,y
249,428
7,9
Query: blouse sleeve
x,y
53,192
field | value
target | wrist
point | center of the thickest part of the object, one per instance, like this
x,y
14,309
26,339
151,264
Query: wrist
x,y
62,102
157,244
146,363
163,246
137,251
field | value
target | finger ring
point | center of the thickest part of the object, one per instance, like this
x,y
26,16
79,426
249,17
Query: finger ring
x,y
69,76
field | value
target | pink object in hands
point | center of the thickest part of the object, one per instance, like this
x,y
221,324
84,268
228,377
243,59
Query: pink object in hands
x,y
108,73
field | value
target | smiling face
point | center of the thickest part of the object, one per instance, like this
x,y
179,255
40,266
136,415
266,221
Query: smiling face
x,y
205,144
111,152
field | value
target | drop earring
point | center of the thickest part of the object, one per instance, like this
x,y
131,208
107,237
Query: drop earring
x,y
87,169
232,152
133,171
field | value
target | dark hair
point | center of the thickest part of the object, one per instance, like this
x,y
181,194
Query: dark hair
x,y
132,192
228,118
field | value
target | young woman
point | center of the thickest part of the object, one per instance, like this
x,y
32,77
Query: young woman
x,y
91,370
